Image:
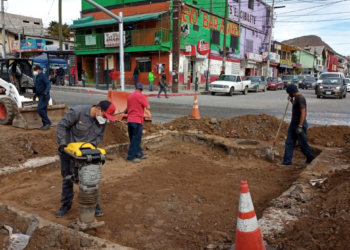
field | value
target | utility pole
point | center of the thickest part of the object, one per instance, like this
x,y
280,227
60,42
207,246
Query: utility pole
x,y
208,71
225,34
269,49
3,28
176,45
60,36
313,64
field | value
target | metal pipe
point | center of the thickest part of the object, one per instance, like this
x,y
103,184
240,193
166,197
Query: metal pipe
x,y
60,35
225,34
121,52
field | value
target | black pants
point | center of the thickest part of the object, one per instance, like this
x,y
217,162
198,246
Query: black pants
x,y
42,109
67,185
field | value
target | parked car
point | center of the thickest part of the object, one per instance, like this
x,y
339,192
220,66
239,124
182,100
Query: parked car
x,y
326,75
347,81
301,79
332,87
229,84
308,83
275,83
289,79
257,83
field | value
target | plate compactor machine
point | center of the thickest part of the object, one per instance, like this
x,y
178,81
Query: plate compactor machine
x,y
86,162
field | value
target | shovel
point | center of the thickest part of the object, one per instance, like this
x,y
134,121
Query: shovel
x,y
270,154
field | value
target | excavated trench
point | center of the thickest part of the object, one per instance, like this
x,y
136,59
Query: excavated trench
x,y
184,196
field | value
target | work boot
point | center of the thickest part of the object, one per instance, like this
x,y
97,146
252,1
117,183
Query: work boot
x,y
136,160
144,157
46,127
281,164
98,211
63,211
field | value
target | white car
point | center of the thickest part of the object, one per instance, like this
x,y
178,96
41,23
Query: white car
x,y
347,81
229,84
327,75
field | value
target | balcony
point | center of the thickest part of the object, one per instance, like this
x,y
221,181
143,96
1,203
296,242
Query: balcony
x,y
146,37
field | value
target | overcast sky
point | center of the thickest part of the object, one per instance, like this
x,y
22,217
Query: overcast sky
x,y
336,33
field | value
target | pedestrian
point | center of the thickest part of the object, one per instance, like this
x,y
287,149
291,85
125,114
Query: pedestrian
x,y
83,77
162,85
151,80
136,104
42,90
52,79
82,123
60,75
136,74
297,129
113,75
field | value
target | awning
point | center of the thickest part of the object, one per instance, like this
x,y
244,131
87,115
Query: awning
x,y
273,64
88,21
285,66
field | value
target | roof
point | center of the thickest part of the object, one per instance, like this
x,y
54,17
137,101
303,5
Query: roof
x,y
88,21
311,49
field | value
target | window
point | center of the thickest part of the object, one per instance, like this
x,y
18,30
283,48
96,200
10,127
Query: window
x,y
145,67
234,42
195,27
66,46
25,21
36,23
267,16
127,63
251,4
249,45
238,79
215,37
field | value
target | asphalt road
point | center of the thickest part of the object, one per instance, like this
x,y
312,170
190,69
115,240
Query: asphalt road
x,y
319,111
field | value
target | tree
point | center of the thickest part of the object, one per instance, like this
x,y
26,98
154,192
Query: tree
x,y
53,30
294,58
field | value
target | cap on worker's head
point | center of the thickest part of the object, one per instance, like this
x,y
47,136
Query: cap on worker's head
x,y
292,88
108,109
36,67
139,86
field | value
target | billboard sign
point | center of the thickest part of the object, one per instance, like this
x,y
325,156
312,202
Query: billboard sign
x,y
112,39
29,45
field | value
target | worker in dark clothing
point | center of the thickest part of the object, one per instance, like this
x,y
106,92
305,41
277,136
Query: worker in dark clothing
x,y
42,90
60,75
81,124
297,129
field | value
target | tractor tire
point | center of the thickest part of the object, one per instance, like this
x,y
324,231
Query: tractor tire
x,y
7,111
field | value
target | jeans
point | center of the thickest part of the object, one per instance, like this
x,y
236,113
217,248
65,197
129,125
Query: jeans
x,y
42,109
151,86
292,138
162,89
135,136
135,78
60,80
83,81
67,185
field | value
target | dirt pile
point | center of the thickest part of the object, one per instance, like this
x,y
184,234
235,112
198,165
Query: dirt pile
x,y
258,127
325,221
330,136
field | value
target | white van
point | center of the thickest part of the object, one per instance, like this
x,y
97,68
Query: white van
x,y
327,75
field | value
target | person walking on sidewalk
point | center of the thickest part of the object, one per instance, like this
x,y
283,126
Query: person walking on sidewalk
x,y
114,75
83,77
151,80
81,124
162,86
297,129
42,90
136,104
60,75
136,74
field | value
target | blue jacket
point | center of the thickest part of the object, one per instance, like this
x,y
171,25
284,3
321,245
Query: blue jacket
x,y
60,72
42,84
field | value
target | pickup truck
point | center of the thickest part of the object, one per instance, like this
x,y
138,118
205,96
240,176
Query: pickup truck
x,y
230,84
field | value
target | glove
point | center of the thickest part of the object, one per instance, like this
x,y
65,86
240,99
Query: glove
x,y
34,98
61,148
299,130
44,96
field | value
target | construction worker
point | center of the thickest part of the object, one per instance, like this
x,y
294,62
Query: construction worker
x,y
136,104
42,90
81,124
297,129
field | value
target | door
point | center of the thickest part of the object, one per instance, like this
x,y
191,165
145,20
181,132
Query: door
x,y
239,85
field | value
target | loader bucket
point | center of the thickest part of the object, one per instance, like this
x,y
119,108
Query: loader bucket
x,y
119,99
28,117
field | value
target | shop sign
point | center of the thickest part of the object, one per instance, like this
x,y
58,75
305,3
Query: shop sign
x,y
29,45
286,62
203,48
254,57
112,39
276,58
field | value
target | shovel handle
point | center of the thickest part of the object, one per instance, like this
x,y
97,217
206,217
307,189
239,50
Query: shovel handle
x,y
279,129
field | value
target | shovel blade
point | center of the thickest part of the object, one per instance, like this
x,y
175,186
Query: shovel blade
x,y
270,155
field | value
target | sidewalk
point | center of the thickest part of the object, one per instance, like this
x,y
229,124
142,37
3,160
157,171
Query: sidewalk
x,y
92,90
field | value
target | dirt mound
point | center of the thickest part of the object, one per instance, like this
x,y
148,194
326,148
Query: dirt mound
x,y
330,136
325,223
258,127
18,145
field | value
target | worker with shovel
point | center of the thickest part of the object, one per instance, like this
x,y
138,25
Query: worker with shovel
x,y
81,124
297,129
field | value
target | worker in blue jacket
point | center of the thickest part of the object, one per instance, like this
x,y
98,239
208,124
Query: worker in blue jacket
x,y
42,91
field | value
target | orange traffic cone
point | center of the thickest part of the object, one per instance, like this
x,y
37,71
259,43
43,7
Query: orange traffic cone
x,y
195,110
248,233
